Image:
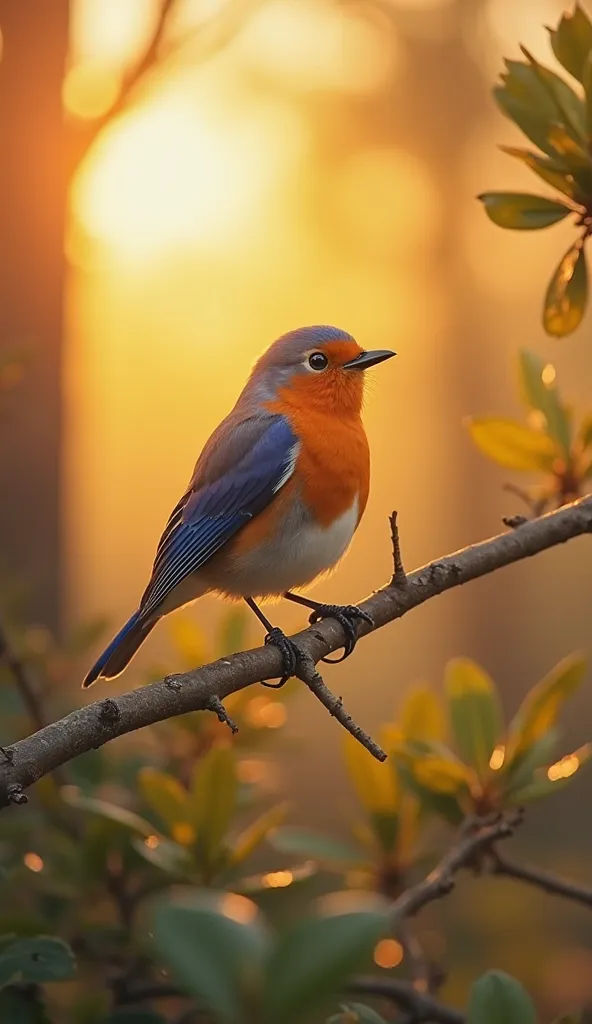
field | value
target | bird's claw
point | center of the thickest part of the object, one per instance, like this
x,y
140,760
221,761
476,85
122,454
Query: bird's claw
x,y
347,616
290,655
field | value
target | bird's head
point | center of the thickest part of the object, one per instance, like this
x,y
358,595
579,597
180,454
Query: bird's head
x,y
316,367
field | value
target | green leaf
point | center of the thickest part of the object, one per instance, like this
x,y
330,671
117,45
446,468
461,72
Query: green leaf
x,y
38,959
523,98
512,445
164,794
313,960
531,121
356,1013
567,293
570,107
570,151
215,946
306,843
553,172
497,998
118,816
540,708
441,804
212,801
475,712
521,769
522,211
168,856
545,398
571,41
555,777
538,789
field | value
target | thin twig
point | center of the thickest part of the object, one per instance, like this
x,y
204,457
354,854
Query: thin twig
x,y
418,1005
307,672
85,729
22,678
220,711
399,577
475,838
553,884
536,505
514,522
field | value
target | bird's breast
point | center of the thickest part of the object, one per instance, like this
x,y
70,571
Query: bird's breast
x,y
283,549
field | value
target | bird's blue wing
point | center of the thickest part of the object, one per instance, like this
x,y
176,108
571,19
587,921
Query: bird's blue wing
x,y
210,513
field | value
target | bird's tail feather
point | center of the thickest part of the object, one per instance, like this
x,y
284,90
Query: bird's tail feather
x,y
121,650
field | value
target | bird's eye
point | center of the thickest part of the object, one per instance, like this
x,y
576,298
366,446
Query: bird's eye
x,y
318,361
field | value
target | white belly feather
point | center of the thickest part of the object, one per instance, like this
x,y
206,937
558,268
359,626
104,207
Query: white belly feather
x,y
291,558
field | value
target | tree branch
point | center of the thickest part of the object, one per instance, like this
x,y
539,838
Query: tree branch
x,y
544,880
476,836
84,134
92,726
419,1006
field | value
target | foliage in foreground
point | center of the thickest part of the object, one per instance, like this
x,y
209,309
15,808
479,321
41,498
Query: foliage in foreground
x,y
136,888
555,114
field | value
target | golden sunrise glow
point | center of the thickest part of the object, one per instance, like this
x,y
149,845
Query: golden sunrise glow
x,y
388,953
177,173
312,44
497,758
111,31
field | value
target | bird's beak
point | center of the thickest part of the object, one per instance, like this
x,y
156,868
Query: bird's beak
x,y
366,359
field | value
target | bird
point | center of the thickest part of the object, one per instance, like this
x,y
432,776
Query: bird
x,y
275,497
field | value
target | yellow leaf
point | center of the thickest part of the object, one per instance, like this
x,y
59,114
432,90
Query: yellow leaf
x,y
164,794
422,716
570,764
374,783
189,640
441,775
540,708
512,445
212,800
250,838
475,713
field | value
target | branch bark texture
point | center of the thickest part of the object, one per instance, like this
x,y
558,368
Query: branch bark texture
x,y
94,725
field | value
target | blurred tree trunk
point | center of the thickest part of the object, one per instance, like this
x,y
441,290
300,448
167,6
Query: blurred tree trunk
x,y
32,211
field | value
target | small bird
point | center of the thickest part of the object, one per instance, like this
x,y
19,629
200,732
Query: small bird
x,y
275,497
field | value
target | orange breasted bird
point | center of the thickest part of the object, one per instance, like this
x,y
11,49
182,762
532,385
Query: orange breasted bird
x,y
275,497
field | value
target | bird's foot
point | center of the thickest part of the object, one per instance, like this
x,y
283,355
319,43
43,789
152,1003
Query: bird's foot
x,y
348,616
290,655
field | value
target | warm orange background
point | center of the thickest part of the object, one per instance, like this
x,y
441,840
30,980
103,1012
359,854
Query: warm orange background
x,y
321,167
